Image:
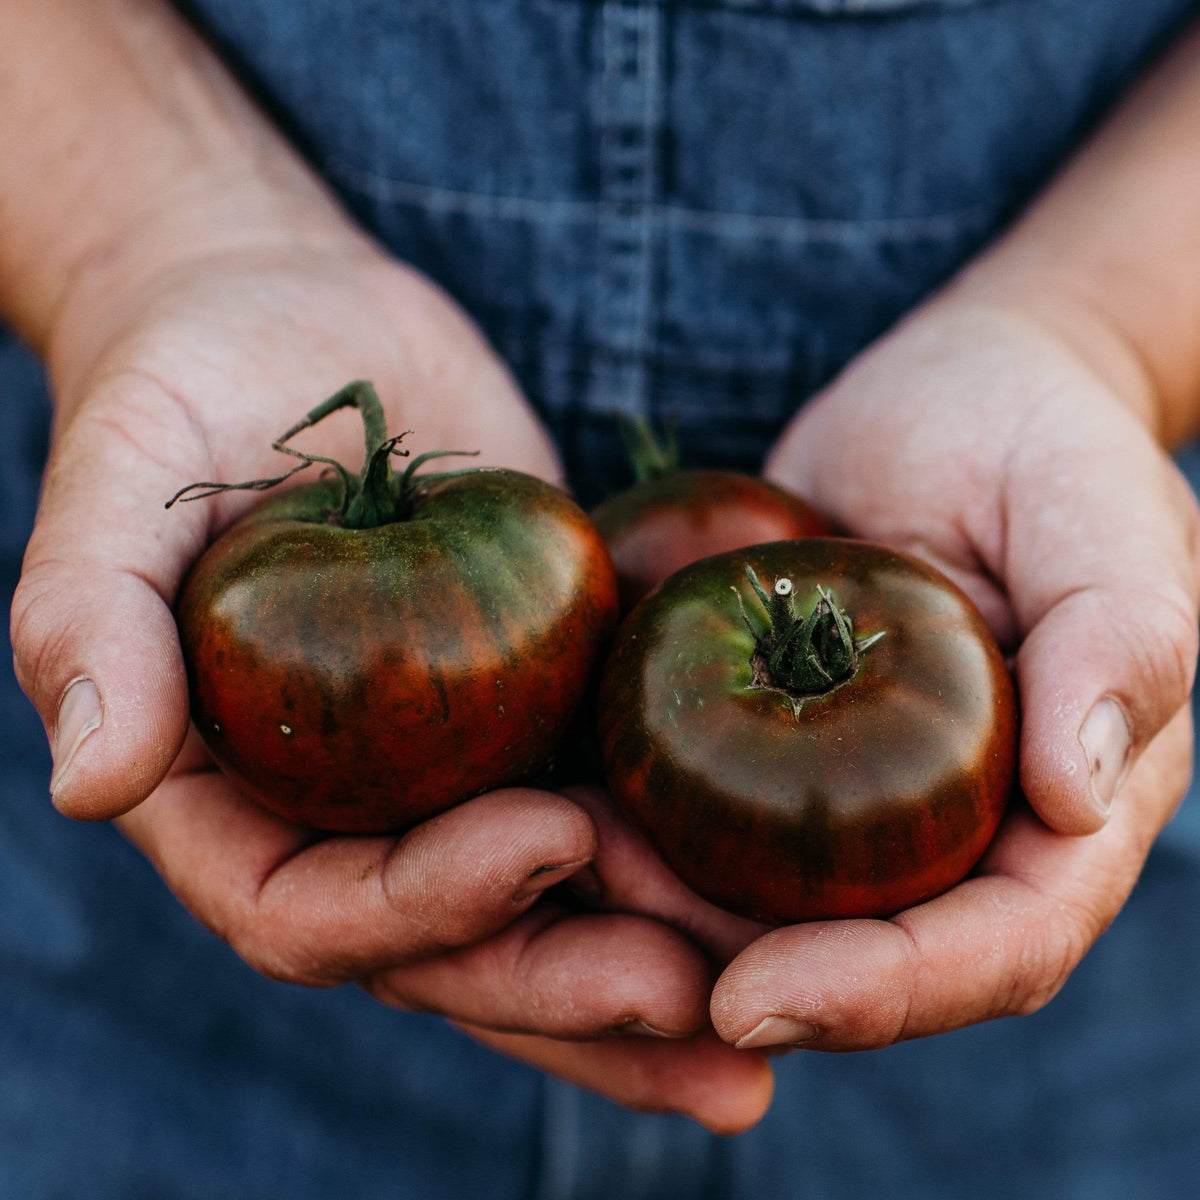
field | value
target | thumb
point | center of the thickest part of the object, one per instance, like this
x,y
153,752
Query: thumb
x,y
94,642
1103,575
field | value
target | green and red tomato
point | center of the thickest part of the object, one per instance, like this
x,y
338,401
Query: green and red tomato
x,y
810,729
364,653
672,515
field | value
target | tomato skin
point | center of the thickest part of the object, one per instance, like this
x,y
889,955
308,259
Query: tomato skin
x,y
666,522
361,680
880,794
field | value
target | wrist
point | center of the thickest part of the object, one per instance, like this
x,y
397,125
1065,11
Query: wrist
x,y
204,219
124,145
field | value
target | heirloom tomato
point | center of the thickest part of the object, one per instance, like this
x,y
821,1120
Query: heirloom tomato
x,y
365,652
811,729
672,516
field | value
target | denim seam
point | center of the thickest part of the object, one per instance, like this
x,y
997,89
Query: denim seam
x,y
556,384
667,217
652,121
816,8
624,242
766,365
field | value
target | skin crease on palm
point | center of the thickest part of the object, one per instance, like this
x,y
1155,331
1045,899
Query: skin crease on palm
x,y
993,437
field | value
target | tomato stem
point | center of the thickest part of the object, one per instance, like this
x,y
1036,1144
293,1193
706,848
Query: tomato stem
x,y
377,495
650,456
802,656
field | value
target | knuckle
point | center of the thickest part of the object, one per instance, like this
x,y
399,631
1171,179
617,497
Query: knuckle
x,y
1160,637
426,919
437,907
256,955
38,644
265,955
1047,964
432,924
389,988
1035,996
1171,642
895,1023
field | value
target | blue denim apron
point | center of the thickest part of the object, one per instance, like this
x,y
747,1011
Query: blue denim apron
x,y
701,208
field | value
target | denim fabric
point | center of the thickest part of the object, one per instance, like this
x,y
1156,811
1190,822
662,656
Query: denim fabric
x,y
697,207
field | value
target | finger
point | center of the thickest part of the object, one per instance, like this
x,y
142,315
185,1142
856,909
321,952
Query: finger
x,y
578,976
999,944
626,874
727,1091
94,642
1065,500
95,645
322,912
1102,572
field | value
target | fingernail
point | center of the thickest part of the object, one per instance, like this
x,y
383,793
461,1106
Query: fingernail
x,y
79,713
1104,736
641,1029
777,1031
545,877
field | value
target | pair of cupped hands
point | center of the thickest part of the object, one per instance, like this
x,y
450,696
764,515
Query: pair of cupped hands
x,y
974,435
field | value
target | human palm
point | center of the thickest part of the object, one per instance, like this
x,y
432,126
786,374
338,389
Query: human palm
x,y
978,440
190,377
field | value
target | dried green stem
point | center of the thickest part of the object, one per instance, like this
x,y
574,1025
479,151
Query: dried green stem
x,y
376,495
650,456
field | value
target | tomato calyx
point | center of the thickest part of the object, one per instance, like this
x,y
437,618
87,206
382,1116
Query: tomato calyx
x,y
802,657
377,495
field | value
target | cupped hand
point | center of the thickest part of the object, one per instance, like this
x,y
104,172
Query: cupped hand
x,y
172,364
976,439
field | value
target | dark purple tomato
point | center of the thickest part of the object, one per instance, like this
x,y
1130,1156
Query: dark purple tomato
x,y
364,677
810,729
666,522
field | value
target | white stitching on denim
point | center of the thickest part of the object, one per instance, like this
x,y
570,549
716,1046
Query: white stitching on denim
x,y
746,226
648,56
624,238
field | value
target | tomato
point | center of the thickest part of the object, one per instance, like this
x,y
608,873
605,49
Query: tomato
x,y
673,516
837,741
365,678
